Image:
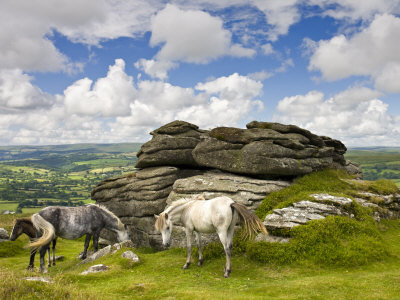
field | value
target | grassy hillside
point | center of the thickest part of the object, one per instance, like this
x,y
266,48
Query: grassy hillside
x,y
334,258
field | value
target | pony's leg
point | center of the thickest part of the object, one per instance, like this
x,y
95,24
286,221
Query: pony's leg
x,y
54,251
87,241
198,243
32,259
49,256
42,253
96,237
189,248
227,243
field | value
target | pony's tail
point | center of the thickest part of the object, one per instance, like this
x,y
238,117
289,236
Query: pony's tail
x,y
251,223
47,230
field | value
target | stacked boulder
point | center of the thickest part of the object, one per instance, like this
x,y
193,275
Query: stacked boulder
x,y
182,160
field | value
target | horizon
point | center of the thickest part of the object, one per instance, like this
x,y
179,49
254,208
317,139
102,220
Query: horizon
x,y
109,72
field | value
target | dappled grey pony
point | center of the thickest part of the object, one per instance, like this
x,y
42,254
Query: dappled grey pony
x,y
25,225
197,215
72,223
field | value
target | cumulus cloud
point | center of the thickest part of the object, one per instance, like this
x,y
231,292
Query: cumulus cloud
x,y
18,94
355,116
372,52
110,96
192,36
115,108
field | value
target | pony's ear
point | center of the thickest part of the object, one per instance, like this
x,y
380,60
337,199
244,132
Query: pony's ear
x,y
156,216
166,216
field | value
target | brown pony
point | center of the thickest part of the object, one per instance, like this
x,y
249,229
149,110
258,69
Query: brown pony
x,y
25,225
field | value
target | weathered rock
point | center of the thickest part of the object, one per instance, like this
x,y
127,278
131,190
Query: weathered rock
x,y
300,213
342,201
172,144
211,184
95,269
96,255
131,256
135,198
4,234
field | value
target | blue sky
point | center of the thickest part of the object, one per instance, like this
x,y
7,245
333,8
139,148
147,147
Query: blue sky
x,y
112,71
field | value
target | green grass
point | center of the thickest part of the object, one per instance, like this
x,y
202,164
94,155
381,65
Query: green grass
x,y
160,276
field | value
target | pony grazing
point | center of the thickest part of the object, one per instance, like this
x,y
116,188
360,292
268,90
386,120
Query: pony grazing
x,y
25,225
72,223
198,215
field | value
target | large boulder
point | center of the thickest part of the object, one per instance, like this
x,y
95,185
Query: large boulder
x,y
172,144
136,197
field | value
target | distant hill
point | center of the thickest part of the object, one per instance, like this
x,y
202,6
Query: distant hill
x,y
34,152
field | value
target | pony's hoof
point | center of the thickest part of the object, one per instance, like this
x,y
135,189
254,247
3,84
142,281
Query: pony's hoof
x,y
200,263
30,268
186,266
44,271
54,264
226,275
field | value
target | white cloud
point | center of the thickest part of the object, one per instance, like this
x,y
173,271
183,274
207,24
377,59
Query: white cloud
x,y
354,116
110,96
389,78
155,68
281,14
371,52
18,94
356,10
115,109
192,36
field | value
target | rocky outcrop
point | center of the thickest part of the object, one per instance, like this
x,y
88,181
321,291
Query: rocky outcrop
x,y
263,149
182,160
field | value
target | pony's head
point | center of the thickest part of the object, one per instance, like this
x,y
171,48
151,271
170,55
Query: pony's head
x,y
18,228
164,225
123,233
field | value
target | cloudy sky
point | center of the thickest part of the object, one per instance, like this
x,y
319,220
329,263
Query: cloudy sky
x,y
107,71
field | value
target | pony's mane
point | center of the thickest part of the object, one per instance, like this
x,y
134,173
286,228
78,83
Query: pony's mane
x,y
161,220
24,220
106,210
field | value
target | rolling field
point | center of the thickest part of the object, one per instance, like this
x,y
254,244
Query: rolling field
x,y
377,163
34,177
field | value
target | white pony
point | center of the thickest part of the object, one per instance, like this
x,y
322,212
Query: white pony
x,y
219,215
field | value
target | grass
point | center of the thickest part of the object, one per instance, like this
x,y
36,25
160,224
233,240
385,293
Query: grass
x,y
160,276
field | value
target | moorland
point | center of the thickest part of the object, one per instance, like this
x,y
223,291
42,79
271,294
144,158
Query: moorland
x,y
334,258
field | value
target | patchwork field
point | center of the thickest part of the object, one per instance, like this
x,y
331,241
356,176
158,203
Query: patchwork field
x,y
34,177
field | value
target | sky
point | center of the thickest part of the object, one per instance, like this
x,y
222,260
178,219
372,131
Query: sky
x,y
108,71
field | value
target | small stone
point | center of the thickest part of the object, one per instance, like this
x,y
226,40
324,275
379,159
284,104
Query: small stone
x,y
95,269
4,234
42,279
131,256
